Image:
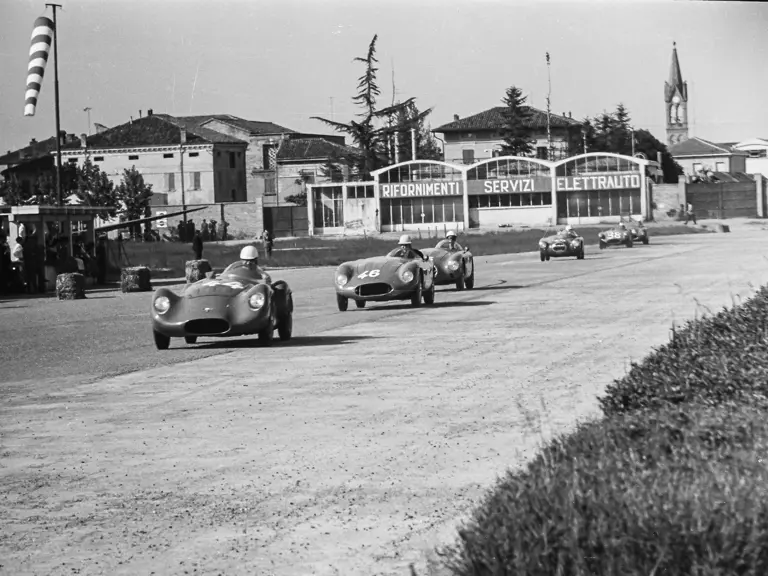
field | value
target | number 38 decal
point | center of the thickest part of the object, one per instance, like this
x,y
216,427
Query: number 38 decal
x,y
369,274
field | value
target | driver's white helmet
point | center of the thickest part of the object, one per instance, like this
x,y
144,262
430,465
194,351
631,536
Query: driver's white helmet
x,y
568,227
405,239
249,253
451,234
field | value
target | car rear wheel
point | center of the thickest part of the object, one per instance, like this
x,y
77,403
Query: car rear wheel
x,y
543,255
469,281
580,255
602,245
417,294
629,243
645,240
190,339
267,335
162,342
360,303
285,327
342,302
429,295
547,256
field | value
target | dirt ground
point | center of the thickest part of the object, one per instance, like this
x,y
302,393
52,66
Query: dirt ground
x,y
355,452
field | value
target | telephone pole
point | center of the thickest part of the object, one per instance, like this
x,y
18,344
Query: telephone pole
x,y
549,131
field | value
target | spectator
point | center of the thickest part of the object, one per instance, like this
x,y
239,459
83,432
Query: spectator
x,y
204,230
690,214
197,245
181,231
224,226
212,226
190,230
268,242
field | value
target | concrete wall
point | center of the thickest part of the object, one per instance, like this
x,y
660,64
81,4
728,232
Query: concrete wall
x,y
246,219
667,197
359,215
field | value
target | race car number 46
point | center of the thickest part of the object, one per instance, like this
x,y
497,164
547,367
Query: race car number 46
x,y
369,274
234,285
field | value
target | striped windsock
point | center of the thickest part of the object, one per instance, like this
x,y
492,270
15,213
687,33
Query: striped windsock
x,y
42,37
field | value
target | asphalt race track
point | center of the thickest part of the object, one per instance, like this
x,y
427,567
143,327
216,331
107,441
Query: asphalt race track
x,y
353,448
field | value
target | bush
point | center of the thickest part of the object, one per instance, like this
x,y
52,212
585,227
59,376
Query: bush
x,y
678,491
719,358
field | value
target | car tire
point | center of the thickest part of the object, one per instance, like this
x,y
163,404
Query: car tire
x,y
460,280
190,339
342,302
646,240
417,294
581,254
543,255
360,303
429,295
267,335
469,281
285,327
629,243
162,342
547,256
602,245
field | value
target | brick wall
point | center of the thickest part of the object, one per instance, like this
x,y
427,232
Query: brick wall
x,y
244,218
667,197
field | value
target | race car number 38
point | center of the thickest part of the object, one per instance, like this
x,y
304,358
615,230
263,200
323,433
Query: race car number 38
x,y
369,274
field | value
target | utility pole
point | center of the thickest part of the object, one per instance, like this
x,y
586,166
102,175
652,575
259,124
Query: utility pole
x,y
182,141
632,134
549,131
56,97
88,110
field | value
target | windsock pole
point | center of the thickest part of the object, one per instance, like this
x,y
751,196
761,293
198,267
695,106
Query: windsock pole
x,y
56,101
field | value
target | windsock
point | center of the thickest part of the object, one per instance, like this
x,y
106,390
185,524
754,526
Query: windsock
x,y
42,37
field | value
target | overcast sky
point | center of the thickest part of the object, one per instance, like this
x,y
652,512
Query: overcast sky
x,y
284,61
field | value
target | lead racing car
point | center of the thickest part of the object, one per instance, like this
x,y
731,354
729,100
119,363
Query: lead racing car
x,y
637,229
566,242
616,236
453,264
403,274
241,301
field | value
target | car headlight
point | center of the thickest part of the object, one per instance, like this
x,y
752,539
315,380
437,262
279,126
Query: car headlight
x,y
257,300
542,244
634,231
406,275
575,243
342,279
453,265
162,304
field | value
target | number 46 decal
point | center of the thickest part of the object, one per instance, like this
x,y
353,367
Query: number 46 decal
x,y
367,274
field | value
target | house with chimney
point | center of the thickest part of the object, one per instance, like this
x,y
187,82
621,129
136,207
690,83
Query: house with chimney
x,y
479,136
36,160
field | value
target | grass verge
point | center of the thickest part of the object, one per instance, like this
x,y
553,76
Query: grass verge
x,y
671,481
332,252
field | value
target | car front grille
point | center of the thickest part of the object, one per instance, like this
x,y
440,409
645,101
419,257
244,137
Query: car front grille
x,y
559,247
373,289
206,327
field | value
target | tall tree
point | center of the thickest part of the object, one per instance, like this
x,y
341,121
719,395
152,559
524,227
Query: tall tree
x,y
12,192
369,138
517,132
649,145
135,196
94,188
408,118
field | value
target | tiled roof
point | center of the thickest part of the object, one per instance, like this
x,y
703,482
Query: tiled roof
x,y
493,119
255,127
201,131
155,130
36,150
699,147
311,148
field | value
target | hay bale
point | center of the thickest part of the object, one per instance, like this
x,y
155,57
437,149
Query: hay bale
x,y
196,270
70,286
135,279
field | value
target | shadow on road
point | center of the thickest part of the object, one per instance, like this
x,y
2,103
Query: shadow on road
x,y
383,307
301,341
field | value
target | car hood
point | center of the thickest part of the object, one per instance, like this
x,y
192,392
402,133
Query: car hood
x,y
215,287
556,237
385,264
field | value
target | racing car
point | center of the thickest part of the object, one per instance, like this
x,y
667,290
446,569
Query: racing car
x,y
618,235
637,229
385,278
453,266
242,300
565,243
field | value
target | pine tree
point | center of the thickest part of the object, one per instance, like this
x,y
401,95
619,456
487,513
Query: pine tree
x,y
94,188
370,139
517,133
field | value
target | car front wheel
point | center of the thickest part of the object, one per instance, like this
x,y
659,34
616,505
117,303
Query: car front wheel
x,y
162,342
190,339
645,240
342,302
267,335
417,294
542,255
469,281
429,295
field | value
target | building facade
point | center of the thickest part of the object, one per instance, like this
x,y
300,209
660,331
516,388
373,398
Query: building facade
x,y
756,150
507,190
479,137
698,156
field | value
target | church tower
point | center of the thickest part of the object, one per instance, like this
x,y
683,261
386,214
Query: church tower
x,y
676,99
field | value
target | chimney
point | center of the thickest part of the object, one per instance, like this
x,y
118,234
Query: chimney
x,y
33,141
183,135
569,114
139,113
455,117
83,142
149,112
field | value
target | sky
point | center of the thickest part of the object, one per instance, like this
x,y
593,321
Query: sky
x,y
285,61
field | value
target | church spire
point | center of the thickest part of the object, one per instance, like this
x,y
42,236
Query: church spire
x,y
676,102
675,83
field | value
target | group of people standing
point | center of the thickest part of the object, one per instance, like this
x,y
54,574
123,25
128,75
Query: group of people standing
x,y
208,230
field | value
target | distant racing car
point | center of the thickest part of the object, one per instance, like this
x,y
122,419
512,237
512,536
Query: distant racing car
x,y
637,229
566,242
385,278
240,301
619,235
453,266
